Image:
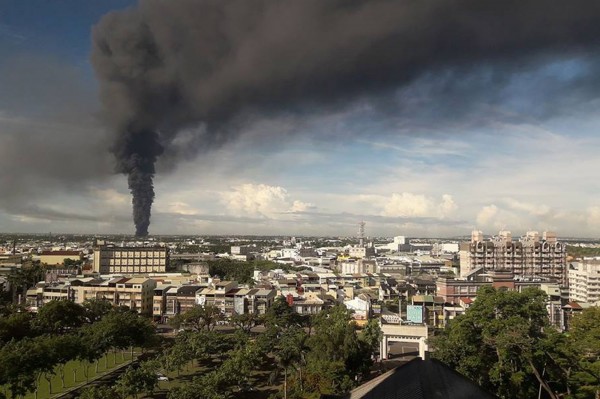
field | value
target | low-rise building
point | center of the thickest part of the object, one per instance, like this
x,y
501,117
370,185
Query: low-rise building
x,y
134,293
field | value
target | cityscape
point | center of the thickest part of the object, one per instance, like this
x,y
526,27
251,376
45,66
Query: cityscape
x,y
409,290
317,199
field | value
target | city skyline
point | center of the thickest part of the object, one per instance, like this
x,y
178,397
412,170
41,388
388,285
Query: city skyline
x,y
490,145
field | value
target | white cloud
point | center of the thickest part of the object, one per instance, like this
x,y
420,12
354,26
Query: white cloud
x,y
418,205
530,208
182,208
110,196
299,206
447,206
486,215
261,200
407,204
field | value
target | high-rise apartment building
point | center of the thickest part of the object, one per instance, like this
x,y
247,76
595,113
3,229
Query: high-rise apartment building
x,y
529,256
584,281
130,260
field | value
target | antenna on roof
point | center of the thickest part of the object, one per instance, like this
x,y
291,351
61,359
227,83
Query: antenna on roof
x,y
361,234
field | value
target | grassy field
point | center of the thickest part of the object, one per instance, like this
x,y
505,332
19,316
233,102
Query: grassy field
x,y
75,375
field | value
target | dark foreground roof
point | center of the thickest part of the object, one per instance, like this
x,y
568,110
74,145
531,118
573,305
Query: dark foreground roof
x,y
420,379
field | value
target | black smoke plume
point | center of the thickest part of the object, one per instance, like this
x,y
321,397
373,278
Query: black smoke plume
x,y
168,65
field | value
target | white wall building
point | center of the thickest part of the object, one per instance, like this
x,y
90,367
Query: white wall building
x,y
130,260
584,281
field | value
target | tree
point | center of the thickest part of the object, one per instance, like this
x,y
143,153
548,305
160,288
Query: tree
x,y
372,335
24,278
122,329
240,363
337,359
204,344
246,321
15,325
187,391
281,315
198,318
501,343
72,264
94,344
95,309
68,348
98,392
24,362
584,342
18,362
287,352
136,380
58,317
180,353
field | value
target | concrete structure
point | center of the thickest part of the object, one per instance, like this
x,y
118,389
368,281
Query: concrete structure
x,y
530,256
135,293
360,307
584,281
231,299
130,260
361,252
240,250
200,268
311,303
355,267
403,333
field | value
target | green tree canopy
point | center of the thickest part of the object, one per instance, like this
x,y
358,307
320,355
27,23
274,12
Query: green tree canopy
x,y
198,318
57,317
584,343
501,343
95,309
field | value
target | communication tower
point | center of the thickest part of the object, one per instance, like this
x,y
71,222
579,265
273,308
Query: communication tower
x,y
361,234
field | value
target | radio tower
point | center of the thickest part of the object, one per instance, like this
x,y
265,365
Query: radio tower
x,y
361,234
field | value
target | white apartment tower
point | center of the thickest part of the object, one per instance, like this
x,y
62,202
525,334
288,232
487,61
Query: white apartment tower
x,y
584,281
529,256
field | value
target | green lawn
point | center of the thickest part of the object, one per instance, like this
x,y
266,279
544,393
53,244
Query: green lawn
x,y
75,375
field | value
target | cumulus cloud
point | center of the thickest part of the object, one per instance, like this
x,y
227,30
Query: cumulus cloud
x,y
486,215
530,208
261,200
418,205
182,208
299,206
447,206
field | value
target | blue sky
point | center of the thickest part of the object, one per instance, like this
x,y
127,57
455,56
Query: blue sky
x,y
520,155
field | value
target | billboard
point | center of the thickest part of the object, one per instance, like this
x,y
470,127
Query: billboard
x,y
414,313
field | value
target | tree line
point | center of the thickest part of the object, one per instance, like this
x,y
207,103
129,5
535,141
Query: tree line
x,y
35,346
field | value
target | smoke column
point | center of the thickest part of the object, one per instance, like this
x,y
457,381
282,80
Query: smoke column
x,y
164,66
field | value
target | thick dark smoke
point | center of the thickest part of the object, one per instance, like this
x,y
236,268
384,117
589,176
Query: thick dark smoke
x,y
169,65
